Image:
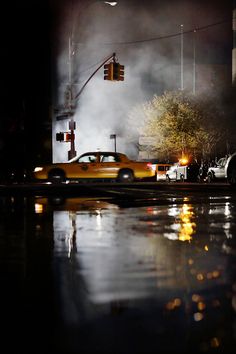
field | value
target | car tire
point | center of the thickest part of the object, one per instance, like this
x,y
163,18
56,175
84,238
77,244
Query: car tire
x,y
209,178
126,176
56,176
181,178
232,177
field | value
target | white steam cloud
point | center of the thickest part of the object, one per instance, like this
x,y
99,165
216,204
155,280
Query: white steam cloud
x,y
150,67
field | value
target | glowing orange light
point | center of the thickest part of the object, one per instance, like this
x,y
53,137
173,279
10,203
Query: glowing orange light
x,y
38,208
200,276
183,161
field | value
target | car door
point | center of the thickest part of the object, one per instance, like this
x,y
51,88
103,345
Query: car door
x,y
84,167
109,165
220,170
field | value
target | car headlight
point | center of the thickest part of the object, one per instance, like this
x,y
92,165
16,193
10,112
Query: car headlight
x,y
38,169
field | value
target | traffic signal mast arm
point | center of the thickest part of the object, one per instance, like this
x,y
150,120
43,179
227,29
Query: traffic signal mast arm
x,y
90,77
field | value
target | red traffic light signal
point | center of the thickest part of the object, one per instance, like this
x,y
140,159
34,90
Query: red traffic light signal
x,y
108,71
118,72
65,136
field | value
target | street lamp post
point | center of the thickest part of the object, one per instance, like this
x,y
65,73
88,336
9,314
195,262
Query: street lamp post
x,y
72,125
113,136
70,87
194,62
181,58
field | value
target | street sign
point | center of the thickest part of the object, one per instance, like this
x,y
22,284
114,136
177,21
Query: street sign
x,y
147,140
64,116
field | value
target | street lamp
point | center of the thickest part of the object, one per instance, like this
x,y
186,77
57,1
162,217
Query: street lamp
x,y
112,3
70,96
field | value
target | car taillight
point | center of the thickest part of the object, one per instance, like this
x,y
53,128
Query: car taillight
x,y
149,166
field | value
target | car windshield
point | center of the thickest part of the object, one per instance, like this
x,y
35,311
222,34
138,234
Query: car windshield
x,y
221,162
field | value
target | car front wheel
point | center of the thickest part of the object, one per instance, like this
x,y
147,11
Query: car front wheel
x,y
232,177
126,176
168,179
209,178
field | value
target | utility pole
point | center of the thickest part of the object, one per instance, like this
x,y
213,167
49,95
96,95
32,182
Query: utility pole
x,y
72,127
70,95
194,62
181,58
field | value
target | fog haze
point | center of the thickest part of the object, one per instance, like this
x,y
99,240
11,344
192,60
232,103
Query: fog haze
x,y
131,30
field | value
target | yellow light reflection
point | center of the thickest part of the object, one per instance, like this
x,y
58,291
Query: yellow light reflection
x,y
198,316
196,298
187,226
38,208
173,304
215,342
201,306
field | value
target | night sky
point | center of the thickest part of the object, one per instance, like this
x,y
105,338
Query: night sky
x,y
32,34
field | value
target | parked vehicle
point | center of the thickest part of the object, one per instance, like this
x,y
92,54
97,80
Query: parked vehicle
x,y
224,170
178,172
161,169
217,172
99,165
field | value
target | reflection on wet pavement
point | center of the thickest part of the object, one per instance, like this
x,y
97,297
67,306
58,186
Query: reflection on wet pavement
x,y
157,278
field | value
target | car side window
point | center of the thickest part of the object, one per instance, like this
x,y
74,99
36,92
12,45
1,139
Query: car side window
x,y
109,158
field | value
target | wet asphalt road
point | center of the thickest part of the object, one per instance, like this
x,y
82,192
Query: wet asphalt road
x,y
146,268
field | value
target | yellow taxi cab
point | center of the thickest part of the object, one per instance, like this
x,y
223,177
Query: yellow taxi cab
x,y
97,165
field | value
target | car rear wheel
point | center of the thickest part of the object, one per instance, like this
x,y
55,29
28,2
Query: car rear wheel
x,y
126,176
56,176
232,177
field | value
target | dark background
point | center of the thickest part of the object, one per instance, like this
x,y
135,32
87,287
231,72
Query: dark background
x,y
25,83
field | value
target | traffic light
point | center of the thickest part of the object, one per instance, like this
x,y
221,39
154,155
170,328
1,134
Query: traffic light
x,y
121,72
60,136
108,71
67,137
118,72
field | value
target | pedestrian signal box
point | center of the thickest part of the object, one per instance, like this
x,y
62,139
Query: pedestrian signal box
x,y
60,136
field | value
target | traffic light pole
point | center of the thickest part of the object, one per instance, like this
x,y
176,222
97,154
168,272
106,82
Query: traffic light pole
x,y
113,56
72,99
72,152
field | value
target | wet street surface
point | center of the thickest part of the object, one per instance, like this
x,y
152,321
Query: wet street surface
x,y
142,269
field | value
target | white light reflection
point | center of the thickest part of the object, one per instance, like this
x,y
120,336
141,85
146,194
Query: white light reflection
x,y
227,209
173,210
64,225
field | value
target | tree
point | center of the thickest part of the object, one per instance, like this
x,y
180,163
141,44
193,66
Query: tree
x,y
181,124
